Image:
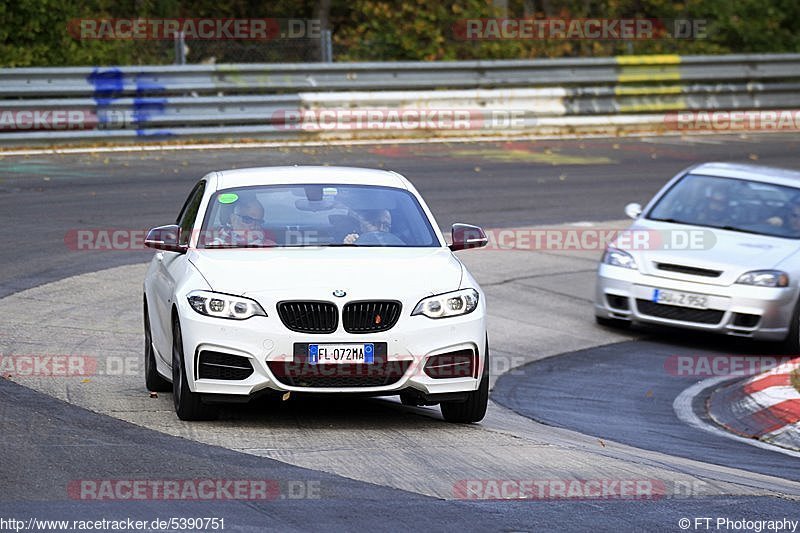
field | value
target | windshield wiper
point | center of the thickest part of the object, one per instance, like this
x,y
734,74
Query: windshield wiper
x,y
318,245
208,246
726,227
671,220
740,230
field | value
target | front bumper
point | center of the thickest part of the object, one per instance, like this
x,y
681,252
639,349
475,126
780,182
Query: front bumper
x,y
264,340
763,313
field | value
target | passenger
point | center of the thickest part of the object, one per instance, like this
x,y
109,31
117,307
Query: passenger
x,y
791,220
794,219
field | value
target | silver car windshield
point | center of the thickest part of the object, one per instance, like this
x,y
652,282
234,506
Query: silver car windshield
x,y
731,204
315,215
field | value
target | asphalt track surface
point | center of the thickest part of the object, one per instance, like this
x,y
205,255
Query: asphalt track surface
x,y
640,410
45,443
73,443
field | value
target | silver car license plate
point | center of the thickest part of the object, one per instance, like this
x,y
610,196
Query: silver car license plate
x,y
681,299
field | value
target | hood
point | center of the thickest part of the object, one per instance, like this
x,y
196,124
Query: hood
x,y
314,273
729,252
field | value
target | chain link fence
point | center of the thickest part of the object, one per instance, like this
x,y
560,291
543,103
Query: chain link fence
x,y
209,52
250,41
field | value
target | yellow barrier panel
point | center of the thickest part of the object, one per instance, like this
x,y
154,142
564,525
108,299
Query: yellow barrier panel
x,y
663,59
648,69
622,90
649,107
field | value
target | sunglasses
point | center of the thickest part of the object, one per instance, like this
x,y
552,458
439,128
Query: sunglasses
x,y
248,220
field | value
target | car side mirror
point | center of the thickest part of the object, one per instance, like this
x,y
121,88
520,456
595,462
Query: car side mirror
x,y
633,210
165,238
467,236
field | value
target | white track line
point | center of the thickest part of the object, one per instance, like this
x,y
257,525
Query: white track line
x,y
342,142
683,408
280,144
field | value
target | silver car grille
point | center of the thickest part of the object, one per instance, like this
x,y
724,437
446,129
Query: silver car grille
x,y
693,271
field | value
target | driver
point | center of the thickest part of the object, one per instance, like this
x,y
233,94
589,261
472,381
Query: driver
x,y
717,206
245,225
371,221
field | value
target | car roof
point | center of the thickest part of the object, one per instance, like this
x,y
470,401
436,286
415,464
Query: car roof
x,y
778,176
289,175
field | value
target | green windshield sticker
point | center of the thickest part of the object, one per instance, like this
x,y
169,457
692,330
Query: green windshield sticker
x,y
227,198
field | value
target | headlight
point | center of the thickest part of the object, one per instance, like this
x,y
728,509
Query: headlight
x,y
765,278
456,303
224,305
619,258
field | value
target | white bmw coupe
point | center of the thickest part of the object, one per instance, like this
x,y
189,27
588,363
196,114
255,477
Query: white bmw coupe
x,y
317,280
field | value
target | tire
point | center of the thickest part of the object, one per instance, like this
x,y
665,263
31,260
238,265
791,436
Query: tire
x,y
791,345
188,404
269,402
613,323
154,381
474,408
409,399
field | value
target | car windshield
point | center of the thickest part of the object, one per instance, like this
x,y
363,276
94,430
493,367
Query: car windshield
x,y
315,215
731,204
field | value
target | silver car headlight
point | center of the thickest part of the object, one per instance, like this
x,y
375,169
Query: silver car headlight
x,y
221,305
620,258
764,278
455,303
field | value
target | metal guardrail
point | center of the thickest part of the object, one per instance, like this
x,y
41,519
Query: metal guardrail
x,y
108,103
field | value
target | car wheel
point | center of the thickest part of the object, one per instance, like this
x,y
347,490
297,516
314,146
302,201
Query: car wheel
x,y
474,408
188,404
614,323
791,345
154,381
409,399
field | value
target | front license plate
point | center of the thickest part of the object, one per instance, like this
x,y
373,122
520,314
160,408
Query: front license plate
x,y
682,299
341,354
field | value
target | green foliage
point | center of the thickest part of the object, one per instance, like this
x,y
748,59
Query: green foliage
x,y
35,32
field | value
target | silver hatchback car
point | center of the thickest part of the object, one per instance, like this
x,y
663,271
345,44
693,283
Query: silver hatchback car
x,y
715,250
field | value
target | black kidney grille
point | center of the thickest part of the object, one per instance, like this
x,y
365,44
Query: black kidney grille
x,y
370,316
309,317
